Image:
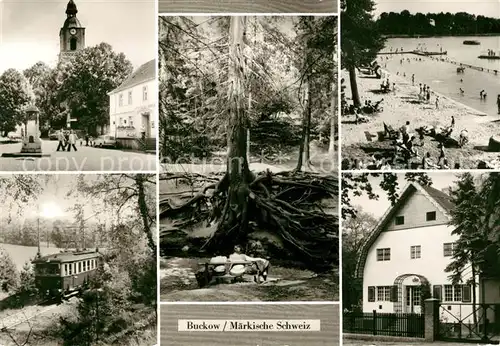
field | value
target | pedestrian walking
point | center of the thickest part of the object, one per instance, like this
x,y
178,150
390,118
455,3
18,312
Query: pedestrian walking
x,y
72,138
62,141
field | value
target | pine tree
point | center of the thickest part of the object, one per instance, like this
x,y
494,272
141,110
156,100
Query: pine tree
x,y
9,278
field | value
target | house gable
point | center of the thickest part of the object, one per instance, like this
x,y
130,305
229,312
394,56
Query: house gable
x,y
412,202
414,213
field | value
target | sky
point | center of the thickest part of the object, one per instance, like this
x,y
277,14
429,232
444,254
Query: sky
x,y
490,8
29,29
55,202
378,207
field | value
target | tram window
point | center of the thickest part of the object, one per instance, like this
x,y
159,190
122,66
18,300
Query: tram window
x,y
70,269
79,267
65,269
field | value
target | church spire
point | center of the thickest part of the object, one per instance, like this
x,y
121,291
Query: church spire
x,y
71,9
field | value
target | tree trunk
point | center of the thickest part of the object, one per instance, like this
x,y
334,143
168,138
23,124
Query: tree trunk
x,y
333,119
306,124
474,296
248,128
143,208
307,137
354,87
238,173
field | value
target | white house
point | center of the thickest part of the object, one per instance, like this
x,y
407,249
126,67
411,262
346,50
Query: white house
x,y
411,246
133,107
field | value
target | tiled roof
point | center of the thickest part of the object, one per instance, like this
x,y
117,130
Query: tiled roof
x,y
144,73
439,196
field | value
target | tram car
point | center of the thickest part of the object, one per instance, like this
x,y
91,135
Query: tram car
x,y
64,274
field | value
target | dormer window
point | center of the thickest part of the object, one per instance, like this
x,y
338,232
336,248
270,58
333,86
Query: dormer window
x,y
400,220
430,216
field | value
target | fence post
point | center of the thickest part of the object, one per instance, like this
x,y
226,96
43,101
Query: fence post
x,y
374,322
431,319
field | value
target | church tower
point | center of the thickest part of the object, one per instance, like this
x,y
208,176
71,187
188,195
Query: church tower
x,y
72,34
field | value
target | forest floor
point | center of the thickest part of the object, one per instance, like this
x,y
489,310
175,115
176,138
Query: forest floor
x,y
403,105
178,283
321,162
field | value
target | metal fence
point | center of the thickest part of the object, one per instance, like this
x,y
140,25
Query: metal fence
x,y
409,325
479,323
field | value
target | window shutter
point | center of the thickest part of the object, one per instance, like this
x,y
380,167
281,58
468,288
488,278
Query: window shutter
x,y
371,293
437,292
394,294
466,294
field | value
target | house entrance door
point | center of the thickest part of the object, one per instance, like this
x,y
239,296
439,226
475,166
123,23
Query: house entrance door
x,y
413,299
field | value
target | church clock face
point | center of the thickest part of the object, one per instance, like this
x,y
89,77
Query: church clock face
x,y
72,31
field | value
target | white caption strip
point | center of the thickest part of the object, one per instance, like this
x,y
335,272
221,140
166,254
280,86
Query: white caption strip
x,y
249,325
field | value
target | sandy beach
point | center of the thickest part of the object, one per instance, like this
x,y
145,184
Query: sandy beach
x,y
403,105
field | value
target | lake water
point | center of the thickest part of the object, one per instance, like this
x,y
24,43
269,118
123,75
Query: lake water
x,y
442,76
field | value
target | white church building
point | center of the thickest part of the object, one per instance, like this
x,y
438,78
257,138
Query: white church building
x,y
410,247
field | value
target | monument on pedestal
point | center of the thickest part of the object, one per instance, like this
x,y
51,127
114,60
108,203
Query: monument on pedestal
x,y
31,140
32,145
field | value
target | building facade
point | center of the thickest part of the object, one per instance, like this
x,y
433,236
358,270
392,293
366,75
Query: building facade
x,y
406,256
133,107
72,33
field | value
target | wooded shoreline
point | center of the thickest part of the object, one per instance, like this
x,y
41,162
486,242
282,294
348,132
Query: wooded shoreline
x,y
437,36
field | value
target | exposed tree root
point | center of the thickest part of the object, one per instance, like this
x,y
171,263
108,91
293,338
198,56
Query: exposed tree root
x,y
287,204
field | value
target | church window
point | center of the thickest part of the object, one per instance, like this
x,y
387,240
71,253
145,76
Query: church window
x,y
130,97
72,43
